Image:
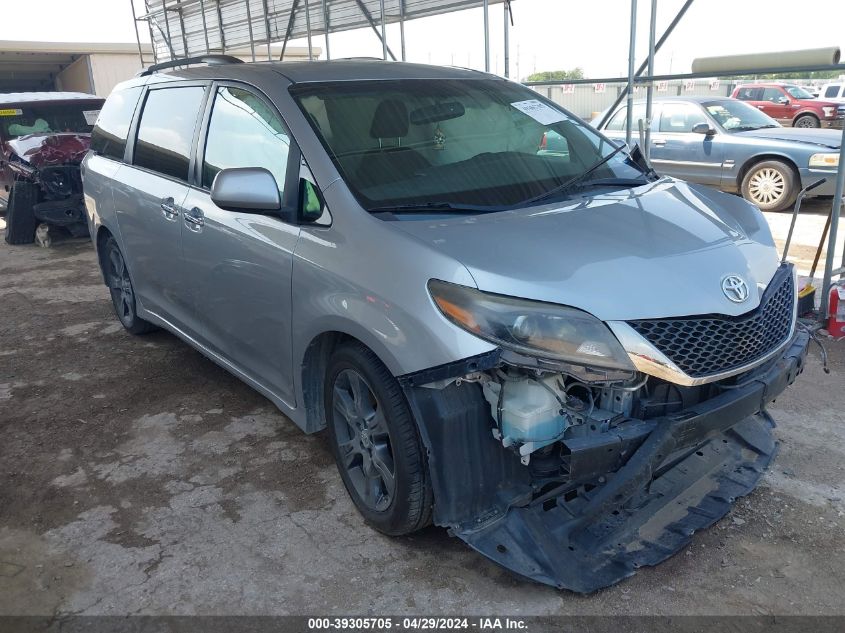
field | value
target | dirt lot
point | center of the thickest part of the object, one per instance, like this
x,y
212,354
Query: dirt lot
x,y
138,477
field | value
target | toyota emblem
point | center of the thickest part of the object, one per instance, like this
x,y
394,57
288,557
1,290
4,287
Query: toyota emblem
x,y
735,288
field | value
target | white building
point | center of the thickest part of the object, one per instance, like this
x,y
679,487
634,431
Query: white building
x,y
94,68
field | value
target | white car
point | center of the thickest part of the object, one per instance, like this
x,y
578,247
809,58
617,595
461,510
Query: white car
x,y
833,92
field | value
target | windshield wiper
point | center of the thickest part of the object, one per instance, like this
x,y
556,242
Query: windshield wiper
x,y
573,181
614,182
751,128
429,207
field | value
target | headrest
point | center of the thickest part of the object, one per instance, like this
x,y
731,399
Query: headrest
x,y
390,119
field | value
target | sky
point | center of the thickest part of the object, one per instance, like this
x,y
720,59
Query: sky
x,y
547,34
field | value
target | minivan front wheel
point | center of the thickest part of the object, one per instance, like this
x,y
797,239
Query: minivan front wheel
x,y
375,442
121,289
770,184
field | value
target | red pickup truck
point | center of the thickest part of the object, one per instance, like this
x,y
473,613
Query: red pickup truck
x,y
791,105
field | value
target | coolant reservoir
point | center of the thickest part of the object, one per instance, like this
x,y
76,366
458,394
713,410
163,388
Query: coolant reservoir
x,y
530,410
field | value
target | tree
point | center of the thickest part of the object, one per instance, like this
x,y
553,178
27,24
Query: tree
x,y
557,75
815,74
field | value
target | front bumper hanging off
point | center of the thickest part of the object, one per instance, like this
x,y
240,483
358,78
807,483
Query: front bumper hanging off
x,y
653,482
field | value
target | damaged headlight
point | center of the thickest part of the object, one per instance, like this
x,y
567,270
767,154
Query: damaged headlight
x,y
533,328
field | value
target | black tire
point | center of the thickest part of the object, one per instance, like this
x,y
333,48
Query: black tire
x,y
122,291
20,217
770,184
806,120
379,416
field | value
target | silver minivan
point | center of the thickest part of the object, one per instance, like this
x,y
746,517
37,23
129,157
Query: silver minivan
x,y
545,347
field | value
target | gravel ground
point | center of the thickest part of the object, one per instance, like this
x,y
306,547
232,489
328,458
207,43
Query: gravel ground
x,y
138,477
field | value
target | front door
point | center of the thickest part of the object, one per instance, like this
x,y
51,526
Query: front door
x,y
678,151
238,264
149,199
777,104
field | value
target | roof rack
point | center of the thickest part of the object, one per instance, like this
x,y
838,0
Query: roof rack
x,y
211,60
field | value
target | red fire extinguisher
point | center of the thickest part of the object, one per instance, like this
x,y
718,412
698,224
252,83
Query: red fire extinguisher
x,y
836,311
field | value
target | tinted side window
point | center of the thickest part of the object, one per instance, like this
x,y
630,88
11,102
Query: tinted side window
x,y
773,94
749,94
166,130
831,91
680,117
109,135
244,132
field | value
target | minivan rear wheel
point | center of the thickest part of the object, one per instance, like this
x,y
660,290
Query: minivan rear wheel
x,y
375,442
770,184
122,290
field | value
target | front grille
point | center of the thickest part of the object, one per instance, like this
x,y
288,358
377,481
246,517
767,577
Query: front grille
x,y
711,344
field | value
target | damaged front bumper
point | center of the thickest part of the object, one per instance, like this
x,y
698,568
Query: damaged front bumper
x,y
623,498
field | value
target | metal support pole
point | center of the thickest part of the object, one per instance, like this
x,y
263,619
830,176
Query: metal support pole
x,y
308,32
220,27
486,36
834,228
649,99
507,40
326,28
137,34
383,31
369,17
266,10
289,29
169,38
629,115
249,24
402,27
182,28
204,27
643,66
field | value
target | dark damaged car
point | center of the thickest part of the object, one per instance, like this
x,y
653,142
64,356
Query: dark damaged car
x,y
554,353
43,138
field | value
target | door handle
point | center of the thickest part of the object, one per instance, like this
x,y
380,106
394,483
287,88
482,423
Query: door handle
x,y
658,143
194,219
168,208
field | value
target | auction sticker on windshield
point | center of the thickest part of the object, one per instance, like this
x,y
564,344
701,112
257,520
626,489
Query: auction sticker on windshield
x,y
539,111
10,112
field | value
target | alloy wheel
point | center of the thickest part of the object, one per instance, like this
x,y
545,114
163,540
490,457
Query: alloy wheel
x,y
121,287
363,440
767,186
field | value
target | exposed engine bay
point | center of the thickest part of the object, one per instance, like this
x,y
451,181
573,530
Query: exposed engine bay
x,y
577,482
47,187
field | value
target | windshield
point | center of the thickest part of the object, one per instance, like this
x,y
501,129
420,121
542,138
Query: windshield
x,y
798,93
48,118
484,144
736,116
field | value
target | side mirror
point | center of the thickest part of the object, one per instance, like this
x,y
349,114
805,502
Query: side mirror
x,y
783,100
703,128
245,189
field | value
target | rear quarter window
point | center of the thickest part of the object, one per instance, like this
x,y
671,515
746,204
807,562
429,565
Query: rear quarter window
x,y
109,135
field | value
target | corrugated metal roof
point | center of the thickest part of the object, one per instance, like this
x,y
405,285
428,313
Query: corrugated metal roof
x,y
194,27
34,97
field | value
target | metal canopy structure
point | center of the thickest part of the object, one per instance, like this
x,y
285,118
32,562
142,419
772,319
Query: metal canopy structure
x,y
185,28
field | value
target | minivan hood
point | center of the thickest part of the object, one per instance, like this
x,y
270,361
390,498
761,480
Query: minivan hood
x,y
813,136
658,250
